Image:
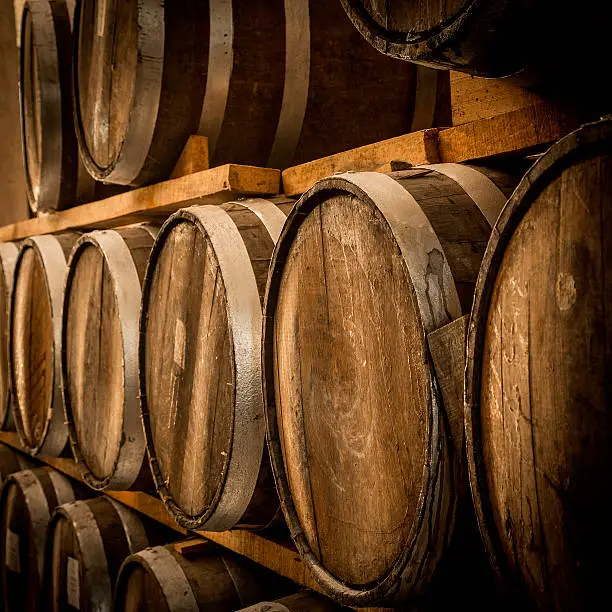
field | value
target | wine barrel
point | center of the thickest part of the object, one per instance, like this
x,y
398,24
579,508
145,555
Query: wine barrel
x,y
27,501
304,601
86,544
479,37
55,177
538,396
12,461
35,337
161,578
261,80
8,257
367,265
100,356
200,363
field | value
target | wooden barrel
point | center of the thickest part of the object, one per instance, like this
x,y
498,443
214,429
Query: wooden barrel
x,y
367,265
27,501
34,345
476,37
262,80
539,395
304,601
162,578
12,461
100,356
55,177
200,363
86,544
8,257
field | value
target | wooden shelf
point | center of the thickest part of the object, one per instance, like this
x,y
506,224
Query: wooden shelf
x,y
214,186
276,554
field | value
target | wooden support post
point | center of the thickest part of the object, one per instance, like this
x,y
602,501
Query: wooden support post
x,y
194,157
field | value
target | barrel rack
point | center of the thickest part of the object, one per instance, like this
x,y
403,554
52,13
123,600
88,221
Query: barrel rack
x,y
518,131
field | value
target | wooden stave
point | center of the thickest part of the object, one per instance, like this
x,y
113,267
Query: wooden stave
x,y
393,587
303,601
59,156
216,518
9,252
55,434
100,553
588,141
42,489
130,466
242,585
455,44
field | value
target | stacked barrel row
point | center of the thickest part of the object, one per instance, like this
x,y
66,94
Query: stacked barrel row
x,y
63,549
112,91
159,339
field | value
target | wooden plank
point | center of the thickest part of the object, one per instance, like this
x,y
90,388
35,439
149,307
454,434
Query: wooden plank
x,y
213,186
277,554
415,148
514,132
447,348
475,98
194,157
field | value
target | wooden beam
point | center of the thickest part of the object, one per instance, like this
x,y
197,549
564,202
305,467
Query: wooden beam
x,y
415,148
213,186
515,132
194,157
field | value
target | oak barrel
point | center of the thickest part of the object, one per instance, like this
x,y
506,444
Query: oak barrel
x,y
475,36
100,356
200,363
367,265
12,461
86,544
161,578
8,257
303,601
55,176
27,502
539,389
262,80
34,345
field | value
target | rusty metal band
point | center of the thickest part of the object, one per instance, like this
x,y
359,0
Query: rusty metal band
x,y
271,216
425,98
38,511
417,240
152,230
266,606
487,196
132,527
128,294
55,433
170,577
147,94
95,565
245,319
296,85
62,487
44,47
8,257
220,68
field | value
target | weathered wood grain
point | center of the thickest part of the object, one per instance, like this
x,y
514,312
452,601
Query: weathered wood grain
x,y
201,404
367,265
194,157
35,338
99,356
538,383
